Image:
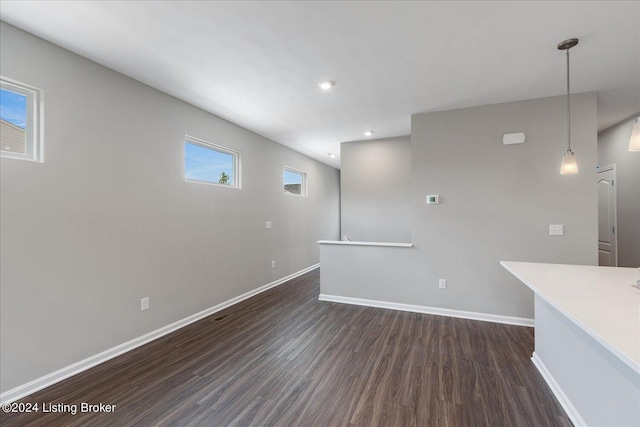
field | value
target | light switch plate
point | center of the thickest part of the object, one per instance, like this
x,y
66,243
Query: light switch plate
x,y
267,225
556,230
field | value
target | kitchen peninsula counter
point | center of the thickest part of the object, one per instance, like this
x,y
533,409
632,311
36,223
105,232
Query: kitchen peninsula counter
x,y
587,338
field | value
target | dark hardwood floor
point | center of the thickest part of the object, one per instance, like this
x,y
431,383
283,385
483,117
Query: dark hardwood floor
x,y
283,358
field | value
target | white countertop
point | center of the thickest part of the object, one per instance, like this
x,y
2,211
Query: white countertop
x,y
600,300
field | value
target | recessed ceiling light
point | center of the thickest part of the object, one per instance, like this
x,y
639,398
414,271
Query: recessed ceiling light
x,y
326,85
368,133
333,156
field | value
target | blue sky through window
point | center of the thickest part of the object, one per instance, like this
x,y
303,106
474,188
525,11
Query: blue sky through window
x,y
207,164
13,108
291,177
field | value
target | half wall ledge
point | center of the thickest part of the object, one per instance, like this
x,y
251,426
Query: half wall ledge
x,y
356,243
383,275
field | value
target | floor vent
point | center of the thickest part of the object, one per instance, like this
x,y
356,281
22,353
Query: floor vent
x,y
221,318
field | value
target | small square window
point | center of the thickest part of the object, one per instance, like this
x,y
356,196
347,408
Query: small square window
x,y
20,121
295,182
211,164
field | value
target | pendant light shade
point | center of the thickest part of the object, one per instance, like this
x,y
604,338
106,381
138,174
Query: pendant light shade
x,y
569,164
634,143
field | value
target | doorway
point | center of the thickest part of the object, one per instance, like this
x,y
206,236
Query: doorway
x,y
607,217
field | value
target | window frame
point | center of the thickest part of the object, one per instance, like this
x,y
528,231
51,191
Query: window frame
x,y
34,126
303,185
215,147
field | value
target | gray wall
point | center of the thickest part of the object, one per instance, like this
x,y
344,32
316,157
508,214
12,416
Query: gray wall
x,y
108,218
497,203
498,200
375,185
613,148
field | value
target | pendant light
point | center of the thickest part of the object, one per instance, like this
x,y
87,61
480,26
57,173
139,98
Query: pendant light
x,y
569,165
634,142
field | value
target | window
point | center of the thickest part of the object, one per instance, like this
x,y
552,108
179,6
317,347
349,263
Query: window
x,y
20,121
295,182
211,164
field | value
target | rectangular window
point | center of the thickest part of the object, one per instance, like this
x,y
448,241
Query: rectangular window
x,y
20,120
211,164
295,182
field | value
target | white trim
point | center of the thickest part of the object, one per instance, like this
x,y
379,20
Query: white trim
x,y
356,243
484,317
564,401
66,372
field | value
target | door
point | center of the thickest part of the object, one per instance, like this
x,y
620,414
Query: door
x,y
607,219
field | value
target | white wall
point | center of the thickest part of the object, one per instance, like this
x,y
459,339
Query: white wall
x,y
497,203
613,148
375,189
108,218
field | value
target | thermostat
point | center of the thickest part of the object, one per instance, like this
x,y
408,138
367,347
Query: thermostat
x,y
433,200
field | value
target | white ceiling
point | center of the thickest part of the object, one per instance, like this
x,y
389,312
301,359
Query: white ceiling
x,y
258,64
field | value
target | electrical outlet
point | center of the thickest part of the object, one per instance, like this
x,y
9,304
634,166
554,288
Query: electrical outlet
x,y
442,283
273,264
144,304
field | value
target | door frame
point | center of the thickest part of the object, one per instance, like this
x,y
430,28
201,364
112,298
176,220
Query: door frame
x,y
612,167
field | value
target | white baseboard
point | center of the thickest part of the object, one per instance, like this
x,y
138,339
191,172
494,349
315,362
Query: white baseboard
x,y
519,321
66,372
564,401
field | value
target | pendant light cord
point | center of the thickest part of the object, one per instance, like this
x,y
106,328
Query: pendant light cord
x,y
568,104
